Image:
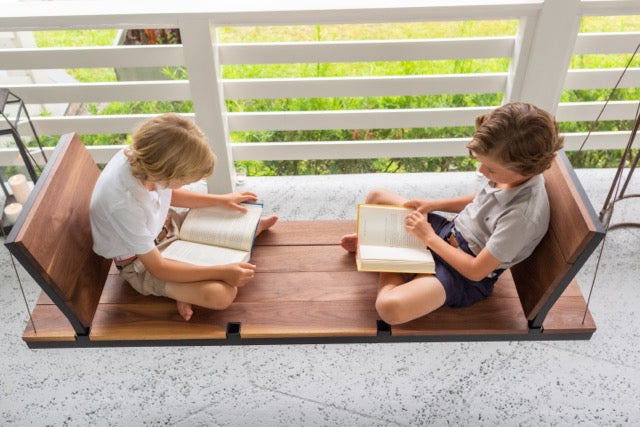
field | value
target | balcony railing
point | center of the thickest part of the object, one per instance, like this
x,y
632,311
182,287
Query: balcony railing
x,y
539,55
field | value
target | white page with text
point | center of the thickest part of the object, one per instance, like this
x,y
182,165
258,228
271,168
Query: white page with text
x,y
199,254
380,225
222,227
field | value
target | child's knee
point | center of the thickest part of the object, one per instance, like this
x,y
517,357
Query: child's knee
x,y
390,308
218,296
376,195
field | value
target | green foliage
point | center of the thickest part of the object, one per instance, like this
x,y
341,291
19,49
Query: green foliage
x,y
80,38
598,158
423,30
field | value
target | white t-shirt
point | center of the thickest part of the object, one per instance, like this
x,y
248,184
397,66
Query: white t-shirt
x,y
125,216
508,222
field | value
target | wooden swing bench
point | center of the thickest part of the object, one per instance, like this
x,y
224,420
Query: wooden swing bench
x,y
306,288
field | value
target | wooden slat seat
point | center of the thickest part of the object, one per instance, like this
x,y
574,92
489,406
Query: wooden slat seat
x,y
306,287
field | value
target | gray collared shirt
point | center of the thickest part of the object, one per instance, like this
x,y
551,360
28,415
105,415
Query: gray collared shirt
x,y
508,222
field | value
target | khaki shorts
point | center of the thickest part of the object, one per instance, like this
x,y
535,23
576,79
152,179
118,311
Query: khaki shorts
x,y
134,271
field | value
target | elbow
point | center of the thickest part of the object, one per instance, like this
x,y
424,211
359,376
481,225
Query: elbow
x,y
478,274
477,271
476,277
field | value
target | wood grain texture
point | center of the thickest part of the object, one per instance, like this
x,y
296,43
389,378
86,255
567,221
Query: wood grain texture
x,y
565,317
155,320
539,277
303,233
505,286
160,320
50,325
56,234
279,259
304,291
310,287
570,220
307,319
493,315
573,290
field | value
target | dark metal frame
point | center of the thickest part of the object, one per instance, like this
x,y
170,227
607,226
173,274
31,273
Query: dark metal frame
x,y
383,336
536,323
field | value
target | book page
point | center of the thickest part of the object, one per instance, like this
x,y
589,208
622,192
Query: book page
x,y
381,225
387,253
218,226
199,254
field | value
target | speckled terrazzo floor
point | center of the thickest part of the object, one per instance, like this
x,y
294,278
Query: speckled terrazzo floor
x,y
594,382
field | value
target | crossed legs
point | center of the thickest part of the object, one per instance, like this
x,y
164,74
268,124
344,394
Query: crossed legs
x,y
214,294
399,301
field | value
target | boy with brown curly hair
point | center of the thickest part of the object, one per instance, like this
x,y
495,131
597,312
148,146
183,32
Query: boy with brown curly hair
x,y
493,230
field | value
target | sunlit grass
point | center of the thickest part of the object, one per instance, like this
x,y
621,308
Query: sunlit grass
x,y
75,38
422,30
390,31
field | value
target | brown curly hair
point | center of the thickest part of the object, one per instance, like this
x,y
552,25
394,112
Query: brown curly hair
x,y
170,148
520,136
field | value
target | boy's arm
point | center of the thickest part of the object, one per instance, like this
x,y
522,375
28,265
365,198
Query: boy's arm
x,y
191,199
455,204
473,268
237,274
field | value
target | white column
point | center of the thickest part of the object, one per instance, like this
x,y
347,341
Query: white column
x,y
543,54
520,58
205,82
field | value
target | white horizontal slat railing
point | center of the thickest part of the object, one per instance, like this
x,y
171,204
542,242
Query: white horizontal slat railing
x,y
602,78
366,51
538,71
364,86
92,57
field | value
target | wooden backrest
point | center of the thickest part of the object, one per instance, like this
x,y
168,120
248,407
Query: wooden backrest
x,y
52,237
574,232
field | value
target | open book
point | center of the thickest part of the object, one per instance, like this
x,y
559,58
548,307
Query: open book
x,y
384,244
216,236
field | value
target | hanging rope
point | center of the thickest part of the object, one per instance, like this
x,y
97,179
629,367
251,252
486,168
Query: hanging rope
x,y
24,296
607,210
595,123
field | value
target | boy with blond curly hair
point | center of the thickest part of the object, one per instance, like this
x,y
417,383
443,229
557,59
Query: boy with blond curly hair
x,y
131,220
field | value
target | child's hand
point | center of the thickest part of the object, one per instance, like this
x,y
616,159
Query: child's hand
x,y
422,205
239,274
234,200
416,224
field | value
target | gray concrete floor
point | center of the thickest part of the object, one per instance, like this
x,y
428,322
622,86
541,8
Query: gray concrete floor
x,y
594,382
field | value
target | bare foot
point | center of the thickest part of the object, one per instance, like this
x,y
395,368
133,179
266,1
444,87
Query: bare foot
x,y
185,310
266,223
349,242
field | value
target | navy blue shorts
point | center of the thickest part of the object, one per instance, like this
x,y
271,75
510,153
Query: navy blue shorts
x,y
460,291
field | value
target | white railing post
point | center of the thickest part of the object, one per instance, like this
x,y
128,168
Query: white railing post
x,y
520,58
205,82
542,54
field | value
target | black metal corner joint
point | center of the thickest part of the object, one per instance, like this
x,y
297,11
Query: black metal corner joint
x,y
384,329
233,332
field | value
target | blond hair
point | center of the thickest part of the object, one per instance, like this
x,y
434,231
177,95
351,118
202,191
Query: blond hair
x,y
520,136
170,148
